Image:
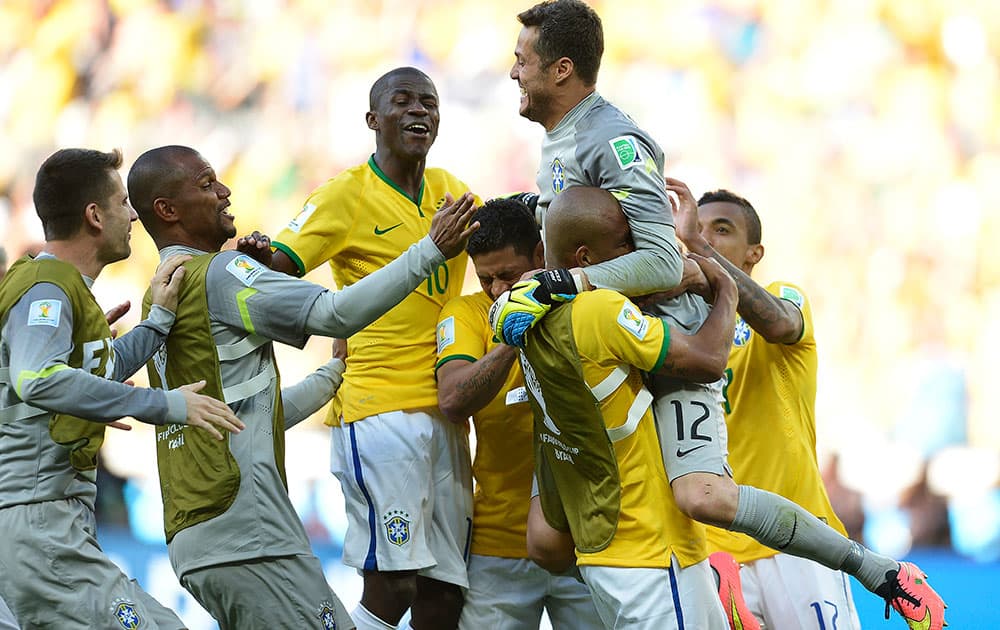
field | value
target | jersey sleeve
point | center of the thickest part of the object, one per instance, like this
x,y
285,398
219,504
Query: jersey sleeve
x,y
625,161
244,294
319,231
794,294
461,332
39,330
607,324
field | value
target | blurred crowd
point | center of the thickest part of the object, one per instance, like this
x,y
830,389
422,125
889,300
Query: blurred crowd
x,y
866,133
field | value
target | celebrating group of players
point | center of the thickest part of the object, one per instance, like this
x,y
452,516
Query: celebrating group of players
x,y
605,424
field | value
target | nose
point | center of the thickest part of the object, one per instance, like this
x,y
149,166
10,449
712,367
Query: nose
x,y
499,287
513,71
132,216
224,191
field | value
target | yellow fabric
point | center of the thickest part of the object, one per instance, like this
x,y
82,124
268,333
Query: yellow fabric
x,y
359,221
504,459
771,401
650,525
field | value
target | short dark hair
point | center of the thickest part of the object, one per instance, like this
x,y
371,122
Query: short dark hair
x,y
504,222
749,213
156,173
568,28
67,182
382,83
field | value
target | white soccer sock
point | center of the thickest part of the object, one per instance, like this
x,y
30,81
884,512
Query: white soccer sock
x,y
365,620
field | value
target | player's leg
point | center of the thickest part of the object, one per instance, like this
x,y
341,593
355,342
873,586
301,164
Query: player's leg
x,y
504,594
693,438
568,602
656,599
53,573
440,588
383,464
284,592
788,592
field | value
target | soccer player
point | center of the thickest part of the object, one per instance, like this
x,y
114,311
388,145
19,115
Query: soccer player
x,y
60,384
770,408
405,470
598,460
233,537
478,376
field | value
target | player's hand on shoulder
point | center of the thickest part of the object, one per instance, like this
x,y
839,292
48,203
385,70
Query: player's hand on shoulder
x,y
207,413
528,301
719,280
450,228
256,246
165,287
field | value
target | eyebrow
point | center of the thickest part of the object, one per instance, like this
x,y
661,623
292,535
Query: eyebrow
x,y
725,220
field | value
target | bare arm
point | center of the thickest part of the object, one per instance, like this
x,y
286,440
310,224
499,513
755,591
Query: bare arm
x,y
777,320
465,387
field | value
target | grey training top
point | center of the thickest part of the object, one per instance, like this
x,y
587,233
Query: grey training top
x,y
33,468
261,522
598,145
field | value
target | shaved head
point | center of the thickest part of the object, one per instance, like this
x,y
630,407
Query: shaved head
x,y
385,81
585,222
157,173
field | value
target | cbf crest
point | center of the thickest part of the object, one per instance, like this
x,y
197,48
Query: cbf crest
x,y
126,614
558,176
397,527
742,333
327,617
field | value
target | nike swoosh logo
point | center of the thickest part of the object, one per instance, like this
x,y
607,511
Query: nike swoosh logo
x,y
681,453
379,232
923,624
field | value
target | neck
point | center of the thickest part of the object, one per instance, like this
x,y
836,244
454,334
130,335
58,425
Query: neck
x,y
405,173
80,253
187,240
564,104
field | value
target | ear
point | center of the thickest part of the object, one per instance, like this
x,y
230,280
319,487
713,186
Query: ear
x,y
563,67
92,216
372,121
582,256
164,210
538,257
754,254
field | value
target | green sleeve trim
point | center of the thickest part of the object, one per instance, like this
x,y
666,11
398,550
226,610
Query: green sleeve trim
x,y
288,252
663,348
29,375
241,303
453,357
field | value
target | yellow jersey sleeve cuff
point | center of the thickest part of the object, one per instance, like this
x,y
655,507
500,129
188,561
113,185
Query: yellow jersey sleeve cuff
x,y
288,252
664,347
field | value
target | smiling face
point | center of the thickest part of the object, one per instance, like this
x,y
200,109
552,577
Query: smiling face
x,y
534,77
201,201
406,116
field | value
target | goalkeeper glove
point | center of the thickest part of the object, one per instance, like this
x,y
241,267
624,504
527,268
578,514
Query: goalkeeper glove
x,y
528,301
529,199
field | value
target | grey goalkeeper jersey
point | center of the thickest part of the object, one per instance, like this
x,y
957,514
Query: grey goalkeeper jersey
x,y
261,522
33,359
598,145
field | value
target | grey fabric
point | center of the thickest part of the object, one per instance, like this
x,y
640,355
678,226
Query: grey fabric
x,y
53,573
289,592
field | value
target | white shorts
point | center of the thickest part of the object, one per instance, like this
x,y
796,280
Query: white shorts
x,y
657,599
692,430
788,592
407,483
510,593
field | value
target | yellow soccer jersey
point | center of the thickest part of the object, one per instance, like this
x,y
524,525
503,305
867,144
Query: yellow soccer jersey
x,y
770,401
504,459
359,221
610,331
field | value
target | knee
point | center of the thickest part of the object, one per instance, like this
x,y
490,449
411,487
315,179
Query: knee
x,y
711,501
388,594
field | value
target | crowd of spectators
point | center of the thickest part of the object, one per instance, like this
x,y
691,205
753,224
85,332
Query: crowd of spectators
x,y
866,132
